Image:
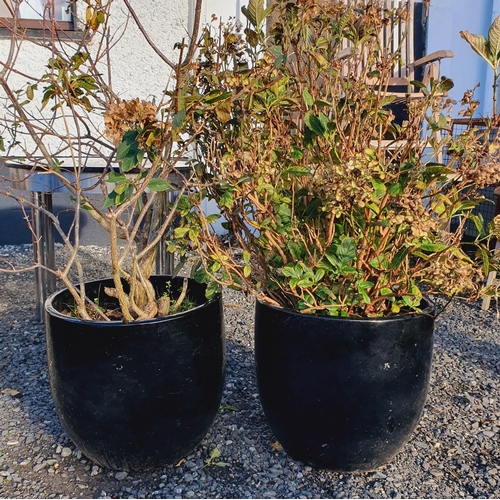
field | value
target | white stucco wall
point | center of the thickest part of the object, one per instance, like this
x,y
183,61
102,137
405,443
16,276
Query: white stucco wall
x,y
137,70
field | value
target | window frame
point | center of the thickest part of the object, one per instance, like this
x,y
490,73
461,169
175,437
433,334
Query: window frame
x,y
38,27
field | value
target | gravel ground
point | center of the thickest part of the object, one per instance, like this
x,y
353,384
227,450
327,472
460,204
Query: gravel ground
x,y
454,452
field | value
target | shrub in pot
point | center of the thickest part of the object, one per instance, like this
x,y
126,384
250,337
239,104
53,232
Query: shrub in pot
x,y
339,233
136,361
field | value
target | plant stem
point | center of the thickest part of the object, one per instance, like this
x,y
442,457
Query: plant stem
x,y
495,86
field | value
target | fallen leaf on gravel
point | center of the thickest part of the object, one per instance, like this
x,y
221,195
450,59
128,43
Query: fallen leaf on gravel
x,y
277,446
13,393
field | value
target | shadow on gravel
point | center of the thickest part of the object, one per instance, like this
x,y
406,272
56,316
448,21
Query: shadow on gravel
x,y
14,228
23,368
453,453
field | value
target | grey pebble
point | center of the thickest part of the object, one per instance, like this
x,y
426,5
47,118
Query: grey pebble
x,y
453,453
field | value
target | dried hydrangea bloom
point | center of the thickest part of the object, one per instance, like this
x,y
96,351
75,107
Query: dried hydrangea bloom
x,y
127,115
495,226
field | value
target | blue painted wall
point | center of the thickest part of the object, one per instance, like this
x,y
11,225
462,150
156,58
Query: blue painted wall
x,y
446,19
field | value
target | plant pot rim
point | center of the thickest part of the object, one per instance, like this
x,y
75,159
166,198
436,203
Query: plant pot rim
x,y
52,311
428,309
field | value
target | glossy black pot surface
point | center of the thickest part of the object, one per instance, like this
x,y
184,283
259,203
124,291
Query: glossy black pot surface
x,y
141,395
342,393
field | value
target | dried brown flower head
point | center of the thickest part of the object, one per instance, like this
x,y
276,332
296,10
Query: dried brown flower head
x,y
127,115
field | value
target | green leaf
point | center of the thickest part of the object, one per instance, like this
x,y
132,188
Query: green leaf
x,y
100,17
324,120
291,271
297,154
416,292
226,200
485,257
116,177
201,276
428,246
159,185
314,124
478,221
295,250
346,251
379,262
445,85
256,13
119,195
128,151
212,289
304,283
86,103
363,286
47,96
379,188
178,118
322,102
396,189
308,98
120,188
399,258
436,171
419,85
281,58
247,270
297,171
180,232
331,263
246,256
479,45
386,101
184,205
494,41
395,308
320,273
216,95
87,83
228,407
124,195
110,200
410,301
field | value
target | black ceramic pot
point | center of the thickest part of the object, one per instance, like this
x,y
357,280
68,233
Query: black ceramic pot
x,y
141,395
342,393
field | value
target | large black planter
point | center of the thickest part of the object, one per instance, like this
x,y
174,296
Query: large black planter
x,y
342,393
141,395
